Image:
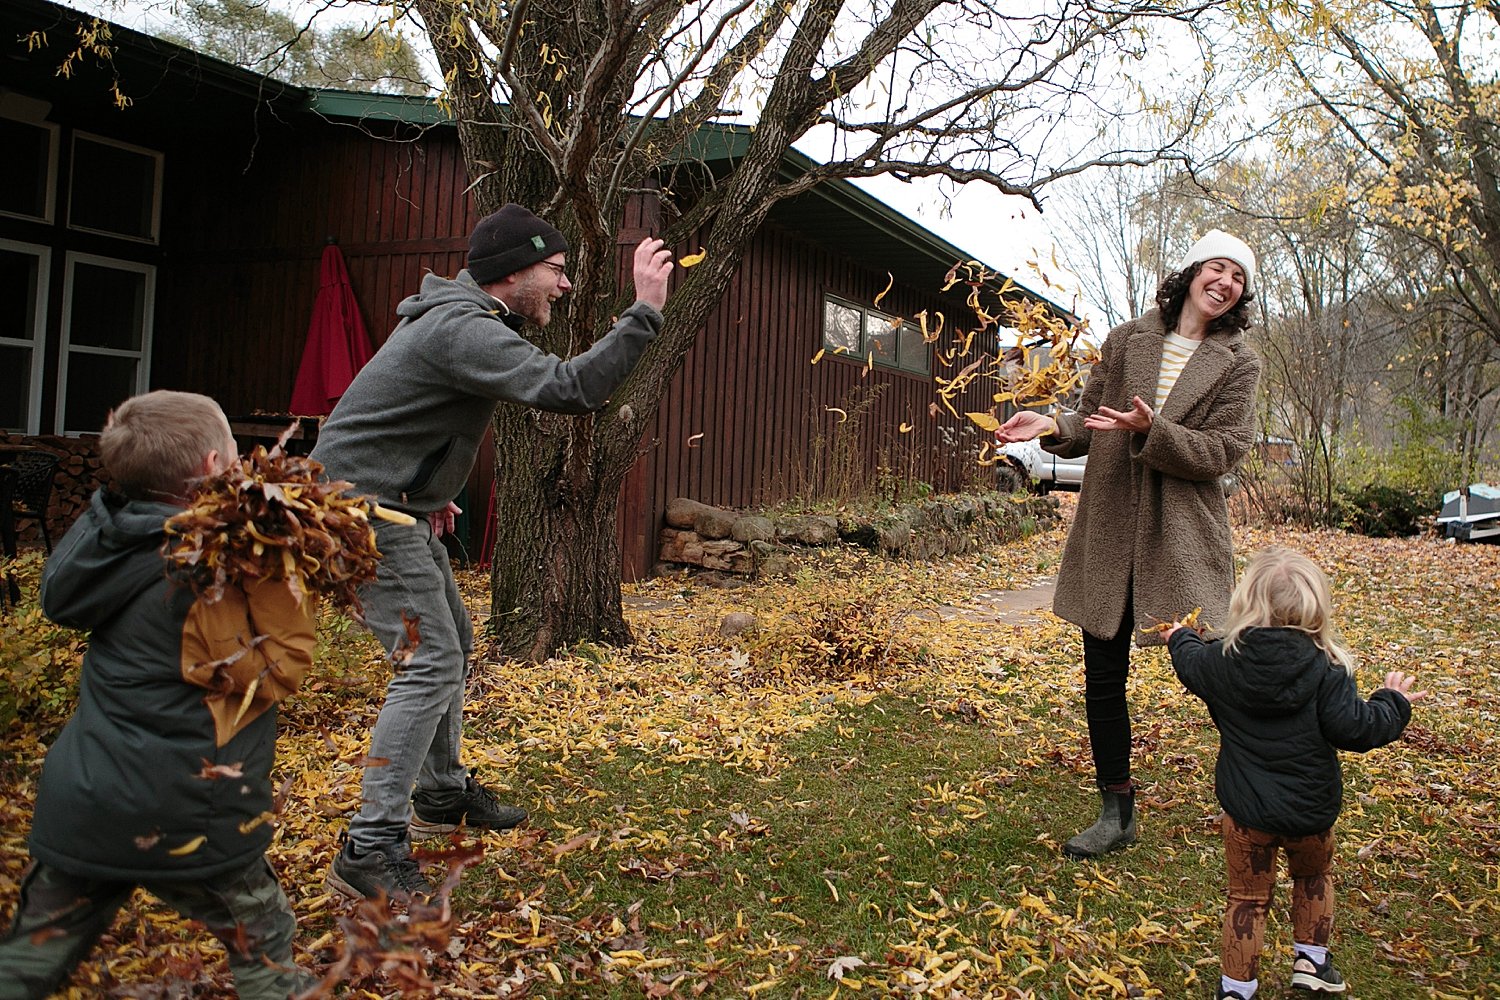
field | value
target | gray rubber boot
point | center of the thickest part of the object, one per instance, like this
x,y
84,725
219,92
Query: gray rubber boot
x,y
1114,829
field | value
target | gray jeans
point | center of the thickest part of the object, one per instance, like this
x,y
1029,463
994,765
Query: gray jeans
x,y
60,916
416,738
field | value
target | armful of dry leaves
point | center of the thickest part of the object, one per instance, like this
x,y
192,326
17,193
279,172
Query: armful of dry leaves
x,y
272,516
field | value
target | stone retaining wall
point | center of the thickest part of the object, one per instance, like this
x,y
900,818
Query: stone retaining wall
x,y
751,543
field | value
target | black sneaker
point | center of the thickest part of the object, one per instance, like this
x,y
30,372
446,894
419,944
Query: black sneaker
x,y
387,871
1309,975
433,814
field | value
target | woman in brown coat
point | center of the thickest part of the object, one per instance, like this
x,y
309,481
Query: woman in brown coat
x,y
1168,410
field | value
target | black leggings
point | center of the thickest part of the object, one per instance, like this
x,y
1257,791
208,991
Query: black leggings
x,y
1106,665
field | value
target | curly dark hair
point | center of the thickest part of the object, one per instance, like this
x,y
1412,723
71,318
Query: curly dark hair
x,y
1172,293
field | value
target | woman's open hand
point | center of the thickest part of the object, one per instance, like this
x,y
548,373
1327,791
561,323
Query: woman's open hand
x,y
1138,418
1024,426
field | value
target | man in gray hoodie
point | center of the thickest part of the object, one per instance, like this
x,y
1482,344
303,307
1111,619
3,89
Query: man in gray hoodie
x,y
406,432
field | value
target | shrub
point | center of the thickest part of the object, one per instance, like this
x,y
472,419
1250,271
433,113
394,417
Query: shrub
x,y
40,680
1388,511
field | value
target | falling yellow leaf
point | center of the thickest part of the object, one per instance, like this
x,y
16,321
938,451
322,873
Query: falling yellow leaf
x,y
189,847
906,428
393,516
819,356
986,421
889,282
693,259
692,442
834,409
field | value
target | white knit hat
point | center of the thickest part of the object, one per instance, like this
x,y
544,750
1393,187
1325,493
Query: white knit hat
x,y
1217,243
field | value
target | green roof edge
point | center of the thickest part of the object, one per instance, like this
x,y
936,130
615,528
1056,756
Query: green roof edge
x,y
359,105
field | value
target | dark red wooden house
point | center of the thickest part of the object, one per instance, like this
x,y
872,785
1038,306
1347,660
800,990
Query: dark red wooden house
x,y
175,243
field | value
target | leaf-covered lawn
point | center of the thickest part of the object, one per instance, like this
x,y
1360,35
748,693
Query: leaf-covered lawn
x,y
867,795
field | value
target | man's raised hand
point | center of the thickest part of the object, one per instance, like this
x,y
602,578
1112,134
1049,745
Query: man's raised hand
x,y
653,266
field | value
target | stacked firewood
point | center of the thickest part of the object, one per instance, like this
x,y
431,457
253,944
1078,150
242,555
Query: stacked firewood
x,y
77,477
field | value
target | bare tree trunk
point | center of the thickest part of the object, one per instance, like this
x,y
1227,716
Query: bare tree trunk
x,y
556,570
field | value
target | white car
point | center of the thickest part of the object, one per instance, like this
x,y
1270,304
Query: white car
x,y
1023,463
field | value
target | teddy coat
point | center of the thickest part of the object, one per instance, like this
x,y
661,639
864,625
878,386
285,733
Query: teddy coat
x,y
1152,523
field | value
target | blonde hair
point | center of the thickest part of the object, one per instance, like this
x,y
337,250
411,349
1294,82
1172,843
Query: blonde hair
x,y
1285,589
153,445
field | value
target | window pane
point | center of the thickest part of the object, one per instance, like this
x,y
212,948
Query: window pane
x,y
96,383
18,294
113,189
15,387
24,168
881,337
840,327
109,307
913,350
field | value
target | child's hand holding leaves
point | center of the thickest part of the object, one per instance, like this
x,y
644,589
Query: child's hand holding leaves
x,y
1189,620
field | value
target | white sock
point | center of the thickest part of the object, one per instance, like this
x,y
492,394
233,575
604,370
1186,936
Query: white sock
x,y
1314,953
1246,990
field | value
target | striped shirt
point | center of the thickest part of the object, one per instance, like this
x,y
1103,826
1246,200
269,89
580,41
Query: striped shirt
x,y
1175,352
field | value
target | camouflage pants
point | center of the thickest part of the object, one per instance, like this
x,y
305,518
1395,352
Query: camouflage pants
x,y
60,916
1250,863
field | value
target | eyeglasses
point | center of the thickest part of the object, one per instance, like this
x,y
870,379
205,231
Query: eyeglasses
x,y
558,268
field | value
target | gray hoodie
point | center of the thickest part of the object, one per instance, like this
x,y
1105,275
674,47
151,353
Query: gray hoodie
x,y
408,428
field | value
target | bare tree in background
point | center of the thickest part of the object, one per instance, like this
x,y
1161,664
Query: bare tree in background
x,y
575,108
1408,88
253,34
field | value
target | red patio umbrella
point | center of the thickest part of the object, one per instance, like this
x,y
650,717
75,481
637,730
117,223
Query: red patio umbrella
x,y
337,344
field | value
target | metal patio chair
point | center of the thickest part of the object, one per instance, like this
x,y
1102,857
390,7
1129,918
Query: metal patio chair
x,y
34,473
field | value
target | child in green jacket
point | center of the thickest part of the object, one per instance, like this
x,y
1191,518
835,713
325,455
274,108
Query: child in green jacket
x,y
161,779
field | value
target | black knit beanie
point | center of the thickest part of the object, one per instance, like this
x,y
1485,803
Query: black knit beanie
x,y
509,240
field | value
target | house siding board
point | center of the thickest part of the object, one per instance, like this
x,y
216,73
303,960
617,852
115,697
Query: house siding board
x,y
303,187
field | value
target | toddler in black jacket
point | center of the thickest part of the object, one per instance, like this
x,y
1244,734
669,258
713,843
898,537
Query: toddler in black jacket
x,y
1280,687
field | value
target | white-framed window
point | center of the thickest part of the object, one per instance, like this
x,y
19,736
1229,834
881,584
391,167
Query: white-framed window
x,y
24,272
28,170
862,333
114,188
105,358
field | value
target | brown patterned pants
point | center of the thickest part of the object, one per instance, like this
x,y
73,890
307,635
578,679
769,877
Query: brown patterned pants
x,y
1250,863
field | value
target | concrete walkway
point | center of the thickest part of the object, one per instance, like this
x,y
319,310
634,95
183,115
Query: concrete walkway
x,y
1003,606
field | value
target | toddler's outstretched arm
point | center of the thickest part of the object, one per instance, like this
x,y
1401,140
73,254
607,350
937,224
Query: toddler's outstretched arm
x,y
1401,683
